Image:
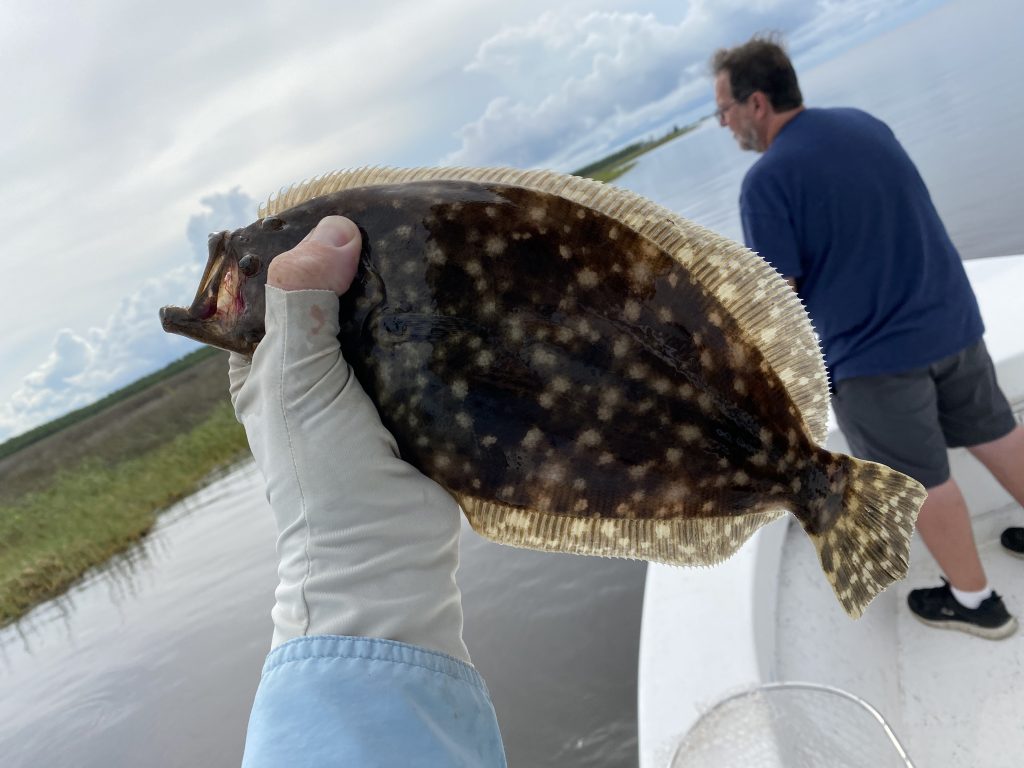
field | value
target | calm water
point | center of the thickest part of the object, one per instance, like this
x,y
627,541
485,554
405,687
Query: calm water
x,y
153,662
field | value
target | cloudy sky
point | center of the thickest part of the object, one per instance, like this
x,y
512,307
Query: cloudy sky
x,y
131,129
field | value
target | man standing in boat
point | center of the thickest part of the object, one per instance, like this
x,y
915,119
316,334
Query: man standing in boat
x,y
836,205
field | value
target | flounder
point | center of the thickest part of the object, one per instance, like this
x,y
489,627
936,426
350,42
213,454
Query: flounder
x,y
584,370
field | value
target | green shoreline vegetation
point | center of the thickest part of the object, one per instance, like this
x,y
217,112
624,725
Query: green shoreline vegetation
x,y
72,498
43,431
80,489
51,537
613,166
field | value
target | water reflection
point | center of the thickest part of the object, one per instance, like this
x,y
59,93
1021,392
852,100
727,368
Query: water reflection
x,y
154,660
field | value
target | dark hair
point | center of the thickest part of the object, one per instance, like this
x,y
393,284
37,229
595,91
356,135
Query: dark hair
x,y
760,64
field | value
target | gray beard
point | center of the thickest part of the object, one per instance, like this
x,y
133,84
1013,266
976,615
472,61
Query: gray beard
x,y
749,140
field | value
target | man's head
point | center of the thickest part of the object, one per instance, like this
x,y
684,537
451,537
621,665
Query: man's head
x,y
756,91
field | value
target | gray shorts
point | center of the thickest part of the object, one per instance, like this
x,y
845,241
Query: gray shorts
x,y
908,420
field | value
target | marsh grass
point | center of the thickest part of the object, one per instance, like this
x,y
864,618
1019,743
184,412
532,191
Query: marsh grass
x,y
15,444
49,538
618,163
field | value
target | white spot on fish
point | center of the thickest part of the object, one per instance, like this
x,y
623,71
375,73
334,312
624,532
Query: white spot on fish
x,y
565,334
434,254
579,528
640,272
676,491
560,384
637,371
495,246
587,277
532,438
638,471
689,433
543,358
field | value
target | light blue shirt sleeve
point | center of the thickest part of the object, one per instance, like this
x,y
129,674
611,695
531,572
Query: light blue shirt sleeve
x,y
331,700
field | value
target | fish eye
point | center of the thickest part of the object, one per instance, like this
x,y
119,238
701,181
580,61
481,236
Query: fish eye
x,y
272,224
249,264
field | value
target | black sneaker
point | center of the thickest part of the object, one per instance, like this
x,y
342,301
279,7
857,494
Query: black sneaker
x,y
937,607
1013,541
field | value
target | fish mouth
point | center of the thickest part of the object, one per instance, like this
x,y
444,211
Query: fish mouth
x,y
214,314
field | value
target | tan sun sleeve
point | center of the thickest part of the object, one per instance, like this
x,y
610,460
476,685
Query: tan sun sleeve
x,y
368,546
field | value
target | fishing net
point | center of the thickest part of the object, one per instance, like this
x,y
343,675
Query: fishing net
x,y
791,725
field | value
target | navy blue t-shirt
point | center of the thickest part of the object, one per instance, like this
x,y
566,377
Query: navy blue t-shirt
x,y
836,203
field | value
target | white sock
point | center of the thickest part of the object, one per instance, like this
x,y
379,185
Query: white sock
x,y
970,600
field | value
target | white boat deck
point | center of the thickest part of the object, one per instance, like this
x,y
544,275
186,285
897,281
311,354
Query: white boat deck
x,y
768,615
952,699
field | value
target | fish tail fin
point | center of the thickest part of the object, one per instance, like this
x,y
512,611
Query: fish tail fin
x,y
861,526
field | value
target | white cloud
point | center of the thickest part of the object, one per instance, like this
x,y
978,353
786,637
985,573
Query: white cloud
x,y
81,369
598,76
574,87
70,356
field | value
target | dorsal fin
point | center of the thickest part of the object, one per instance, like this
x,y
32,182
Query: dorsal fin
x,y
763,305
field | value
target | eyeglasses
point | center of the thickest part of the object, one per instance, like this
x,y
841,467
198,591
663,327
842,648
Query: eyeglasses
x,y
721,111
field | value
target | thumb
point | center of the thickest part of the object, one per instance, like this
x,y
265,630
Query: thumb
x,y
327,259
341,235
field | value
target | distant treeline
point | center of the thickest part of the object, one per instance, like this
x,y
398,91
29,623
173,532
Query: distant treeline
x,y
614,165
15,444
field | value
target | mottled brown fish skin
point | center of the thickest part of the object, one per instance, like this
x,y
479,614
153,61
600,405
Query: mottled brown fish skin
x,y
524,348
586,371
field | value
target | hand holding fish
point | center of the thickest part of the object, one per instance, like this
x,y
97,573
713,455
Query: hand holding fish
x,y
368,545
368,659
